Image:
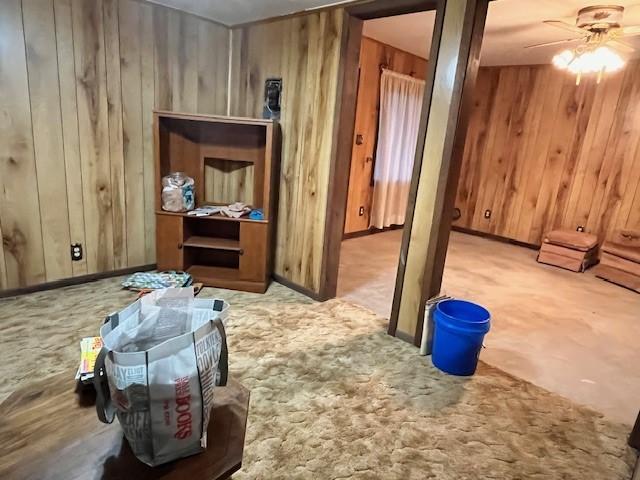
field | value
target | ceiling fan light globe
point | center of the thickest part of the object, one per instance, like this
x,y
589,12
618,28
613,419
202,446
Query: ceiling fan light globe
x,y
609,60
563,59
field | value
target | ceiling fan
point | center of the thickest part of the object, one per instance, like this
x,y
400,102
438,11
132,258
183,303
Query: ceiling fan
x,y
599,29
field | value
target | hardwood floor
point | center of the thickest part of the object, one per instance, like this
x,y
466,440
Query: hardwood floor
x,y
571,333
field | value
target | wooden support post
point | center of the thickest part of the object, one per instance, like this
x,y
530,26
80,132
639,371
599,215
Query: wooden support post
x,y
454,62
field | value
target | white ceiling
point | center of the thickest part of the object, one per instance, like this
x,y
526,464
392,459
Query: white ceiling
x,y
511,24
233,12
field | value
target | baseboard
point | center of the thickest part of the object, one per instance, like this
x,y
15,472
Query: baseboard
x,y
371,231
67,282
405,337
498,238
298,288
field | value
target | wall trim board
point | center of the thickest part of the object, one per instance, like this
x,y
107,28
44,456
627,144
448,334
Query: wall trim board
x,y
362,9
343,131
497,238
405,337
298,288
370,9
68,282
344,126
371,231
468,65
426,106
422,260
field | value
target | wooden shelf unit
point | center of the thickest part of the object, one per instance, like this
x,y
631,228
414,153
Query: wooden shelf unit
x,y
241,154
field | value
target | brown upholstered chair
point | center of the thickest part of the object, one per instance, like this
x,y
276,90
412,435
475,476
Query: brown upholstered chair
x,y
575,251
620,260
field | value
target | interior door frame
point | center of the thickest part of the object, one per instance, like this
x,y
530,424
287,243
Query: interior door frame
x,y
344,133
344,126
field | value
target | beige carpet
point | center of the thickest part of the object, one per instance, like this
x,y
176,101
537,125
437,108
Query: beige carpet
x,y
571,333
332,396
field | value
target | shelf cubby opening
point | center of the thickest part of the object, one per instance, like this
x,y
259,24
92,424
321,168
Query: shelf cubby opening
x,y
211,227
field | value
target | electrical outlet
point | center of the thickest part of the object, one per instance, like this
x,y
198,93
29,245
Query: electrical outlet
x,y
76,252
361,211
487,214
580,228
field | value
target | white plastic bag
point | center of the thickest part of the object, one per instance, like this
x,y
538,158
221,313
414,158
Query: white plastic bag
x,y
161,359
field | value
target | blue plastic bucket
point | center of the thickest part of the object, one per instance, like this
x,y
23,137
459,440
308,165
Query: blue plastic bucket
x,y
459,330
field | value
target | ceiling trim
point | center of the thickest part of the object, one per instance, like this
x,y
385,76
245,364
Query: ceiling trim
x,y
362,9
371,9
155,3
299,13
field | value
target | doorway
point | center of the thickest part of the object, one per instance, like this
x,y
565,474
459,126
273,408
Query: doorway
x,y
391,83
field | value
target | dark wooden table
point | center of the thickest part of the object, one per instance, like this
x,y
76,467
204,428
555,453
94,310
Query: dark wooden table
x,y
48,431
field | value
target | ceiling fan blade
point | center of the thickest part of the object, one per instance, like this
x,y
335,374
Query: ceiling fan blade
x,y
566,26
630,31
622,46
557,42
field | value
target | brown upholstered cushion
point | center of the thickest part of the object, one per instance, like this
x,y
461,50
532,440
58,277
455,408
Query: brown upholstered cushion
x,y
570,239
627,238
623,251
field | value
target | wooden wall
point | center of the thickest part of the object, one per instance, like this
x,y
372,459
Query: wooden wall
x,y
305,52
542,153
373,54
78,82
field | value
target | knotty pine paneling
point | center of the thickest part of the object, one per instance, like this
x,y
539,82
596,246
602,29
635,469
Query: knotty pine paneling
x,y
20,217
543,153
80,80
373,55
44,96
305,52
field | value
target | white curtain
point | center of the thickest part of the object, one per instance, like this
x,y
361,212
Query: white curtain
x,y
400,105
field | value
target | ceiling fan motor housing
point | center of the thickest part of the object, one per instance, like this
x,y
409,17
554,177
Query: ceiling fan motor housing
x,y
598,18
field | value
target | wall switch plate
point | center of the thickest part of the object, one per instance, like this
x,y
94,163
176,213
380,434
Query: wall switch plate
x,y
487,214
361,211
76,252
580,228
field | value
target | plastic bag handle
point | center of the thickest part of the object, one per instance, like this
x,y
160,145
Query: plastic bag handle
x,y
223,364
104,407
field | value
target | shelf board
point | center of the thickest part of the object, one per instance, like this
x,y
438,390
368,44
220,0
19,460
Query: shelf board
x,y
222,277
214,118
206,271
210,217
213,243
244,155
